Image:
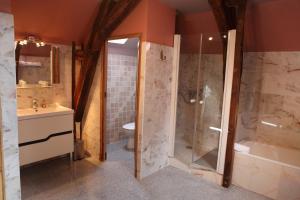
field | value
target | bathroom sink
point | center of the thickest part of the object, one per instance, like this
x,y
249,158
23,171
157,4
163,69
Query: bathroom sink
x,y
45,133
52,110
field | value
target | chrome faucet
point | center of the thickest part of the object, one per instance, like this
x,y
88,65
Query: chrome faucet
x,y
35,104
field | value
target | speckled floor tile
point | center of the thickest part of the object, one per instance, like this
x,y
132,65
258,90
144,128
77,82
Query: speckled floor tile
x,y
173,184
112,180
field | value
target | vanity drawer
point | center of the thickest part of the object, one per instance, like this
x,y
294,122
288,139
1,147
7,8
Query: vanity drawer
x,y
43,127
53,147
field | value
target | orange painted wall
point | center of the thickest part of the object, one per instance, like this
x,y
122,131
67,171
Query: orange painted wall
x,y
64,21
193,26
270,26
161,23
196,23
136,22
5,6
273,26
153,19
56,21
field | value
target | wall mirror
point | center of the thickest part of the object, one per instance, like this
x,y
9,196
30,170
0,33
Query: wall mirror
x,y
37,64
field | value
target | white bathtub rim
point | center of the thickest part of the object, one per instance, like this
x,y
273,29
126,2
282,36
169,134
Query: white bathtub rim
x,y
269,160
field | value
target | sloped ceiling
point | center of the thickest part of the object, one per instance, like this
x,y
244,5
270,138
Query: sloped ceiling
x,y
64,21
188,6
192,6
57,21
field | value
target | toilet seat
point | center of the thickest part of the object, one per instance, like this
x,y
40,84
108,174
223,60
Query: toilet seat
x,y
129,129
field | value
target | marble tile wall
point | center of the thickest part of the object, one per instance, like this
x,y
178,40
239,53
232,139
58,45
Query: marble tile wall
x,y
270,92
9,125
121,94
58,93
156,108
269,113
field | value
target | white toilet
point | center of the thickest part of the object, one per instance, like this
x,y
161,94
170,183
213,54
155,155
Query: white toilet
x,y
129,130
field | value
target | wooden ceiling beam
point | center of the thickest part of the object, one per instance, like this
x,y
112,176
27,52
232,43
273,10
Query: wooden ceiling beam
x,y
103,11
110,14
220,15
240,12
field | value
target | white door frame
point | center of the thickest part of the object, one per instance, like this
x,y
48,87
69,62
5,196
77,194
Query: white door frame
x,y
226,100
174,93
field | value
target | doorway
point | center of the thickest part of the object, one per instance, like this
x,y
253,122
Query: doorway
x,y
120,97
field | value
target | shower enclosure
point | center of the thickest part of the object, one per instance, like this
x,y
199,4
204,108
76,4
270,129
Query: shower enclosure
x,y
204,89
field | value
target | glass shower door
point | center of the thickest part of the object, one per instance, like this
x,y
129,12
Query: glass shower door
x,y
203,102
208,115
190,48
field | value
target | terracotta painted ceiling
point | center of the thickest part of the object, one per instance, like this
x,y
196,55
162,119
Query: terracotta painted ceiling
x,y
193,6
64,21
188,6
57,21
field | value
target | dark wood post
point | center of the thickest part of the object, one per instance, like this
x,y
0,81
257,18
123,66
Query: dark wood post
x,y
230,14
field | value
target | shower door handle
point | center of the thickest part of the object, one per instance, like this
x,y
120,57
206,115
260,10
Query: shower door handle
x,y
194,100
215,129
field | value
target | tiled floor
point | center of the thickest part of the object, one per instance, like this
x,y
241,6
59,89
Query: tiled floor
x,y
113,180
117,152
183,150
184,153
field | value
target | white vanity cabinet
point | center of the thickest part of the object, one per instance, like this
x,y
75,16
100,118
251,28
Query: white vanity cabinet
x,y
45,133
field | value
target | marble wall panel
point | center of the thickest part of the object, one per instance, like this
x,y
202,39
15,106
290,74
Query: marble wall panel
x,y
270,93
249,96
9,125
157,108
